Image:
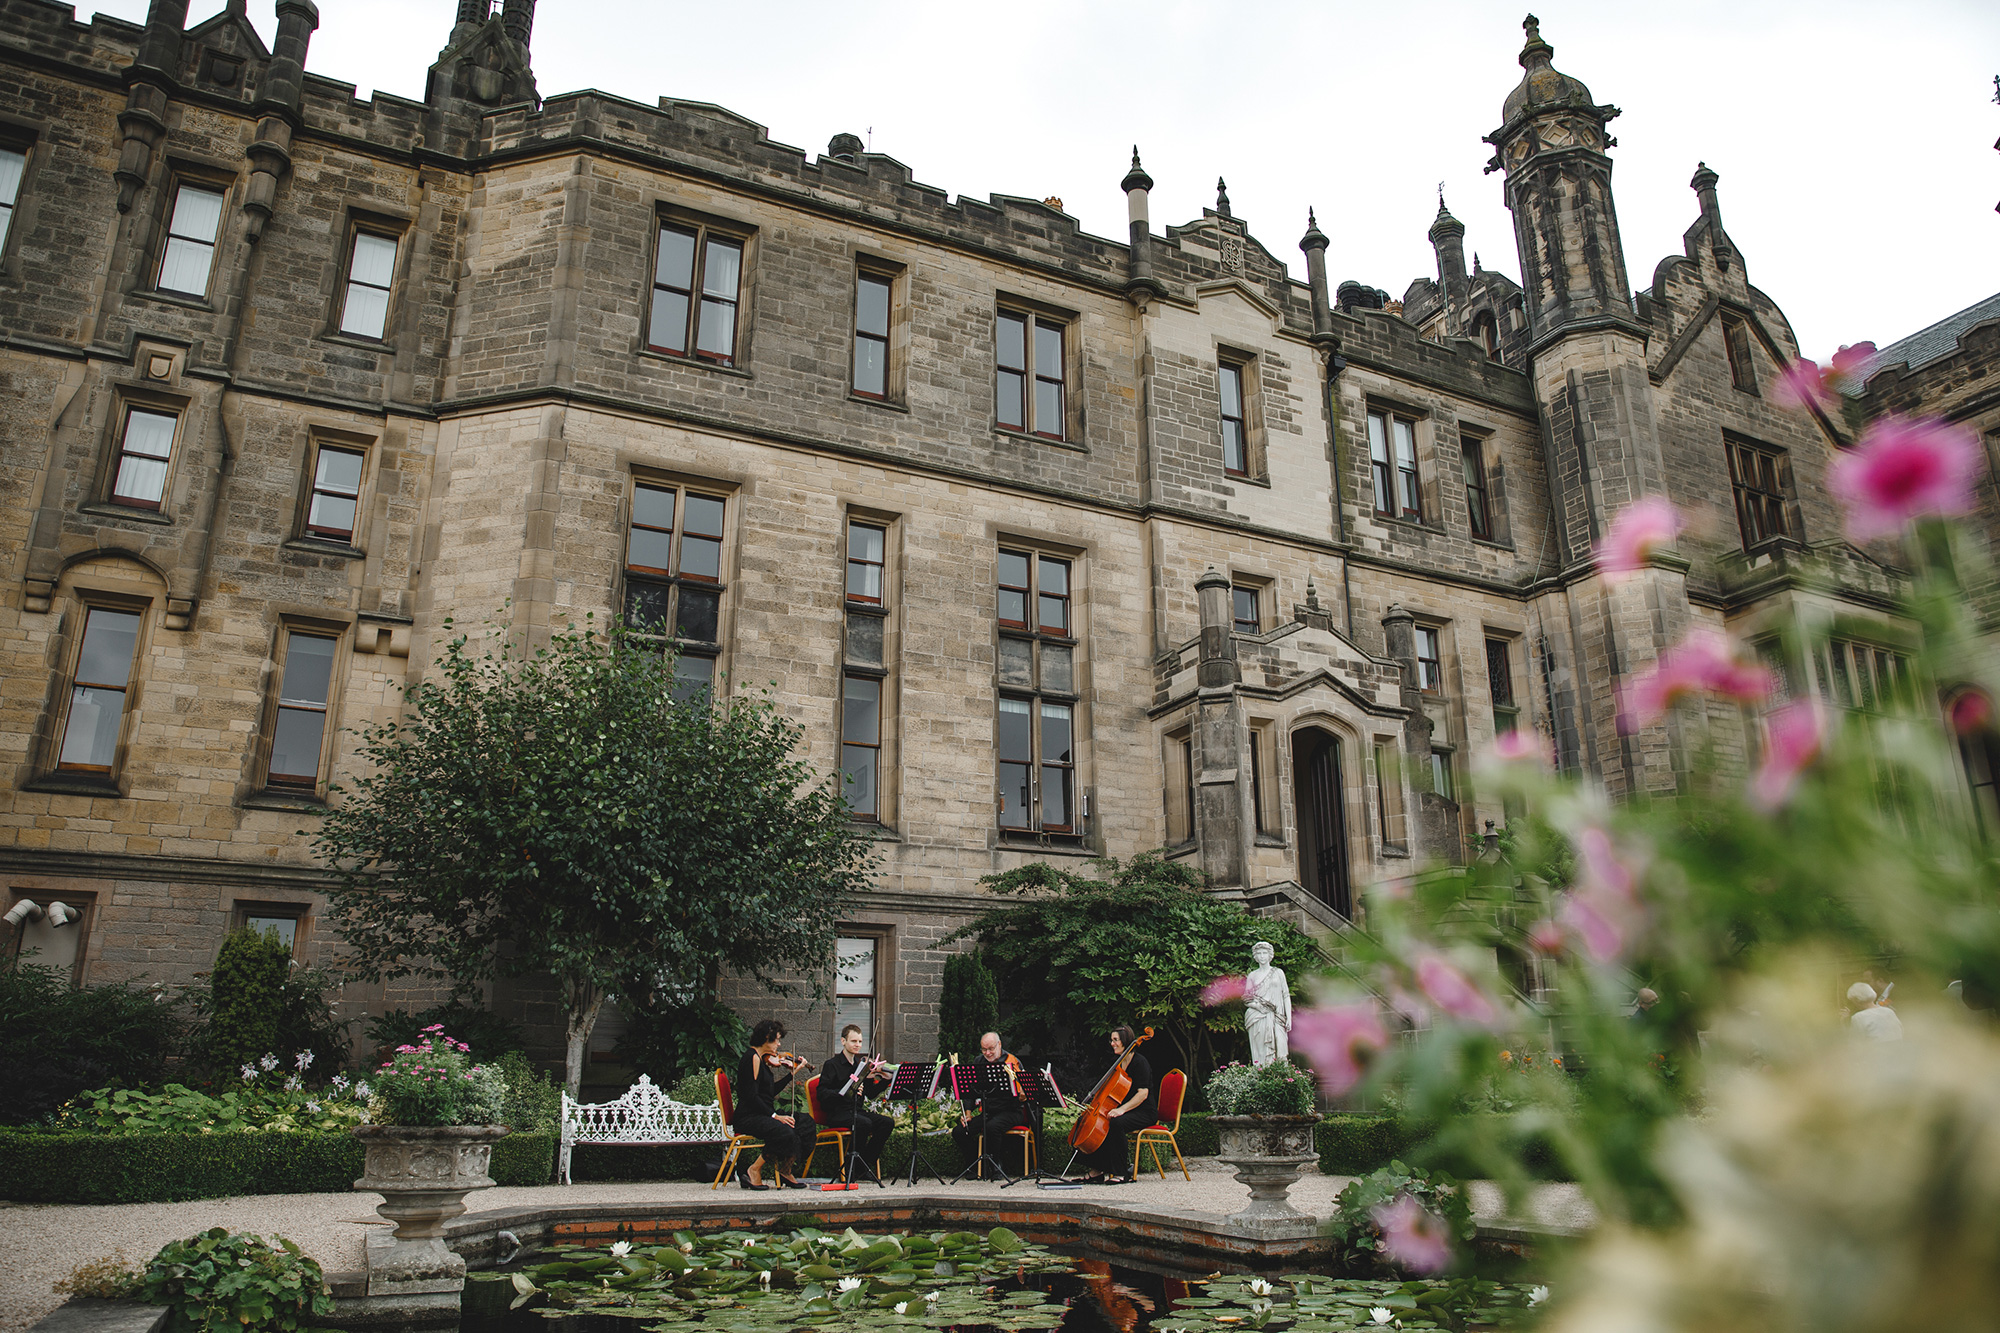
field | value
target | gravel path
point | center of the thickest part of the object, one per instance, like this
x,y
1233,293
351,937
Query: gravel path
x,y
44,1242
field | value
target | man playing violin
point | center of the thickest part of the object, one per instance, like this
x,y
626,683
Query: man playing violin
x,y
992,1115
1109,1163
757,1089
844,1111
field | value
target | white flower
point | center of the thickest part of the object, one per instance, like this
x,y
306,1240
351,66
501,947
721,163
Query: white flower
x,y
292,1083
687,1247
249,1073
620,1248
361,1092
1259,1287
848,1284
304,1060
1380,1314
268,1063
313,1107
901,1307
340,1082
932,1296
1536,1295
764,1277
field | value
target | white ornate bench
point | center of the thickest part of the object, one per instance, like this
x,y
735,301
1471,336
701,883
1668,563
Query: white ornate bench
x,y
643,1116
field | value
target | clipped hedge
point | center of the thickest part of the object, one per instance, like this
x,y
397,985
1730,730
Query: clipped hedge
x,y
173,1168
1354,1145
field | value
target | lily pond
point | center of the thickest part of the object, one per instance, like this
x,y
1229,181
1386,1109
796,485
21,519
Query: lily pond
x,y
809,1279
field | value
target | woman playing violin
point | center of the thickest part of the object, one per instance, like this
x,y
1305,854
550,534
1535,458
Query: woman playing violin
x,y
1108,1164
757,1089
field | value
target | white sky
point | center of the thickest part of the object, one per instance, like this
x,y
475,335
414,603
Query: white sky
x,y
1855,141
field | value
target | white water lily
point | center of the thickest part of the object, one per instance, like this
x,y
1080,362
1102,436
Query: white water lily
x,y
901,1307
687,1247
764,1277
932,1296
848,1284
1380,1314
620,1248
1536,1295
1259,1287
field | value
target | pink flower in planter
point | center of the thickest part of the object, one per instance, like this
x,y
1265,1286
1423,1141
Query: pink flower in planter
x,y
1222,990
1412,1235
1900,470
1340,1040
1641,528
1454,992
1796,733
1702,663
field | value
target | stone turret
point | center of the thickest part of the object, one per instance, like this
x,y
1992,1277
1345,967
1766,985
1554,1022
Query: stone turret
x,y
1448,242
1140,282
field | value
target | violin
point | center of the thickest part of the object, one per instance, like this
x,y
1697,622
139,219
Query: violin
x,y
1087,1134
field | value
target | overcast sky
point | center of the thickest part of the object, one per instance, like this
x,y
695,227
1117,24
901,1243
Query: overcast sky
x,y
1855,141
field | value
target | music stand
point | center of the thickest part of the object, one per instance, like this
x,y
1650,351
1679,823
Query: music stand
x,y
916,1082
852,1092
978,1081
1040,1090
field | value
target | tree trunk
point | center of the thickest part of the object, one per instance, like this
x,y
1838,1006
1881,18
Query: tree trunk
x,y
583,1000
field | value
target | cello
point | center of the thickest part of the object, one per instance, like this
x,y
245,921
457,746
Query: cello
x,y
1087,1134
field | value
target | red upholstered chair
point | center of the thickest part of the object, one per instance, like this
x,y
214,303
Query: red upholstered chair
x,y
1173,1091
737,1142
833,1134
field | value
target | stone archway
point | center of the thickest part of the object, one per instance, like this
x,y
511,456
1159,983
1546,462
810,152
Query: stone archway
x,y
1320,799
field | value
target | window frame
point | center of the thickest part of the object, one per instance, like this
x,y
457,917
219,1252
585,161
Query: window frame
x,y
1500,684
880,566
1753,501
185,180
1430,669
871,1036
889,393
1255,592
1178,746
356,230
848,679
10,209
1478,488
88,604
245,910
1395,476
1266,791
1230,369
296,784
1031,374
1391,810
81,901
1037,697
676,582
119,453
320,447
706,232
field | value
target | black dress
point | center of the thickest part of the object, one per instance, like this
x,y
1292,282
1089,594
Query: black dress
x,y
872,1130
757,1112
1113,1158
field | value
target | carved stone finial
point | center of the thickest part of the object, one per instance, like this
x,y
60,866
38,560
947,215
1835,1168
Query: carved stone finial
x,y
1136,178
1312,593
1222,197
1536,51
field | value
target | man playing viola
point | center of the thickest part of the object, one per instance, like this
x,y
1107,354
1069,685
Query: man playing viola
x,y
844,1111
992,1115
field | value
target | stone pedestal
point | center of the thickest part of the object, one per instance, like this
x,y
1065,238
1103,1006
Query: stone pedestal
x,y
423,1173
1268,1152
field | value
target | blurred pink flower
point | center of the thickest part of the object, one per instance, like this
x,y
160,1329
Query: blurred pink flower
x,y
1224,989
1847,363
1545,936
1603,910
1454,992
1641,528
1340,1040
1803,384
1520,745
1970,712
1413,1236
1902,469
1795,734
1703,662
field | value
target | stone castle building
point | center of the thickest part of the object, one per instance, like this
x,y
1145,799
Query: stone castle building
x,y
1058,546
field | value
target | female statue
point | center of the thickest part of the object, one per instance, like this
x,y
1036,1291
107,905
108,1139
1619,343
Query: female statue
x,y
1267,999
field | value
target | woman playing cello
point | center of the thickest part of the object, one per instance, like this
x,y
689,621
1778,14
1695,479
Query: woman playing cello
x,y
1107,1162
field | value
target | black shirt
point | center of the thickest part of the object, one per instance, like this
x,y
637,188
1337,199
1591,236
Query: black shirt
x,y
1004,1101
833,1076
1141,1074
758,1096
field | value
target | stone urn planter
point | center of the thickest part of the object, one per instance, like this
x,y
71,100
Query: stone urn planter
x,y
424,1172
1268,1151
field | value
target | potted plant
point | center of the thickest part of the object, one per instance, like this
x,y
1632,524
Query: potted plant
x,y
1264,1117
433,1119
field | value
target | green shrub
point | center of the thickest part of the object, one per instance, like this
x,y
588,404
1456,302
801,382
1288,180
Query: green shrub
x,y
533,1101
109,1034
46,1167
176,1108
1356,1144
235,1280
696,1087
969,1006
1353,1225
246,997
489,1035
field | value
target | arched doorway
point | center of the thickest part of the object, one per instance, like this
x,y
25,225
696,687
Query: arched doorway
x,y
1322,818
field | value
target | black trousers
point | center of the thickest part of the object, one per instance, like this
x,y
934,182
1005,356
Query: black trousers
x,y
1112,1157
870,1134
783,1144
994,1125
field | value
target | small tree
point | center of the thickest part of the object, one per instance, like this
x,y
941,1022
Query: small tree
x,y
246,1000
969,1007
572,811
1136,946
